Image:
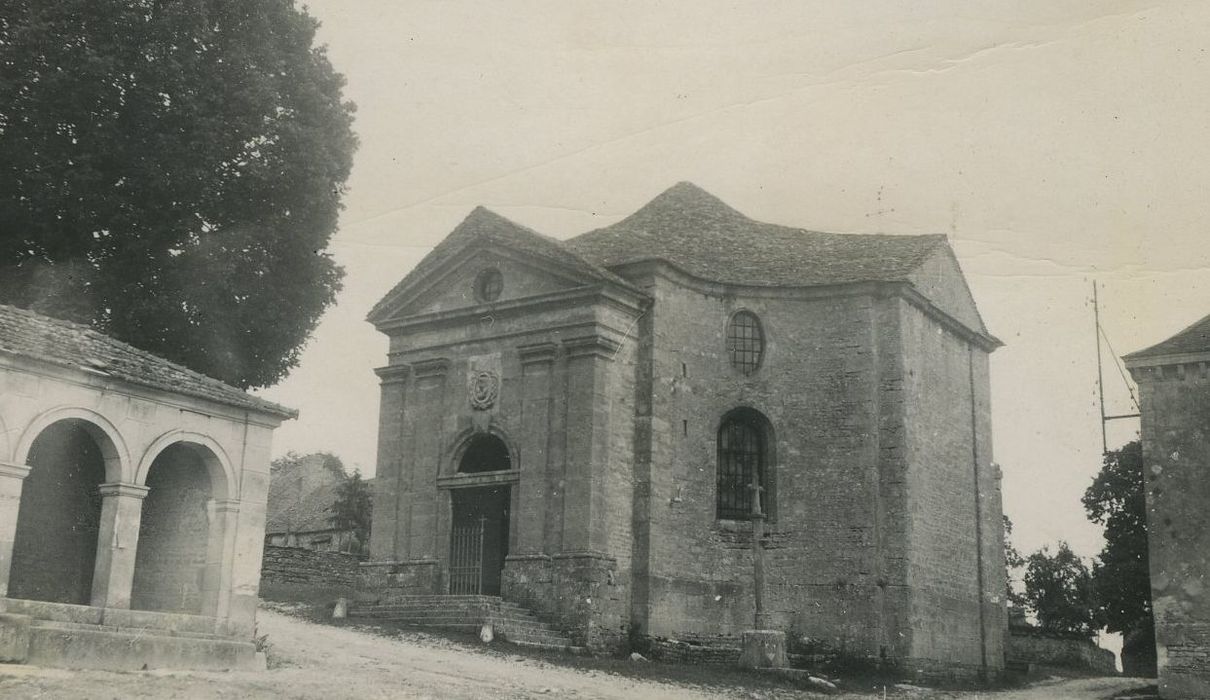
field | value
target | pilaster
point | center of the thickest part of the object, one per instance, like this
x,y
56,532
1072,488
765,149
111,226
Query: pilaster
x,y
117,543
12,479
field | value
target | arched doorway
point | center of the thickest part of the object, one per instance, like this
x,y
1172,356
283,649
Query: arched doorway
x,y
59,517
479,527
174,533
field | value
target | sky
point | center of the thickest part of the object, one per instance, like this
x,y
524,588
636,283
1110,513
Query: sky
x,y
1055,142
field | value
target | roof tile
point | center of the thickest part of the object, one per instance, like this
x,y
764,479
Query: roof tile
x,y
45,339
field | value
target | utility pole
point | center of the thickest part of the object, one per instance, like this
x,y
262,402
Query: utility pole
x,y
1096,316
758,554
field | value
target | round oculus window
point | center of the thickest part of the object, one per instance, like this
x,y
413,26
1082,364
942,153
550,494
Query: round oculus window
x,y
489,284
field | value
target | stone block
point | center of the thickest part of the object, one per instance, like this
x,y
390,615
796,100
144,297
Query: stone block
x,y
14,638
763,649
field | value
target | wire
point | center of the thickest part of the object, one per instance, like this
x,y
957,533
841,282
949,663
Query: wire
x,y
1118,363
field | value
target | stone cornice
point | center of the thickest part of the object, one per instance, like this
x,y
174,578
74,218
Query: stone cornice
x,y
575,297
1170,368
436,367
13,471
538,353
591,345
1191,358
669,272
122,489
393,374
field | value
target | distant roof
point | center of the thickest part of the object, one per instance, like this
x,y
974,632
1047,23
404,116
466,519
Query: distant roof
x,y
695,231
68,344
1192,340
485,225
301,495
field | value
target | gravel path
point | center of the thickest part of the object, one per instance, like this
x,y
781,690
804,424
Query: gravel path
x,y
327,663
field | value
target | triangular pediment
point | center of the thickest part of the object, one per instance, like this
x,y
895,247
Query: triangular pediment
x,y
939,278
528,264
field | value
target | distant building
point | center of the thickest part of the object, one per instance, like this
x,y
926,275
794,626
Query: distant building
x,y
132,496
1174,393
575,425
301,495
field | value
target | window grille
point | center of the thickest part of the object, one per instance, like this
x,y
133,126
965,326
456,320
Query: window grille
x,y
741,458
745,341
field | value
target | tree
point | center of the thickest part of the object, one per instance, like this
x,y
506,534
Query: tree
x,y
1013,562
171,173
1117,500
1059,590
354,508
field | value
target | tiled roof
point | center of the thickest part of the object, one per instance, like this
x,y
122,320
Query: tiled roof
x,y
698,233
289,511
1194,339
484,225
68,344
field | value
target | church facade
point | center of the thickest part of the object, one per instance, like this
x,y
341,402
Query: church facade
x,y
581,427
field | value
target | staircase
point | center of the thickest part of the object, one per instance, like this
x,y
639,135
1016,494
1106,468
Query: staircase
x,y
466,613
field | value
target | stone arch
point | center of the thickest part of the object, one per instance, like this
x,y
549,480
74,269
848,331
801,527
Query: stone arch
x,y
745,422
181,563
469,437
223,483
70,453
103,432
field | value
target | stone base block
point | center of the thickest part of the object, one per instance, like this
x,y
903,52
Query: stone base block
x,y
14,638
66,645
763,649
385,580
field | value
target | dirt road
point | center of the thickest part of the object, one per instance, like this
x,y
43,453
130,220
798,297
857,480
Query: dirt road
x,y
328,663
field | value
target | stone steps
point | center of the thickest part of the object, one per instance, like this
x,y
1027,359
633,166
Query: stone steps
x,y
466,614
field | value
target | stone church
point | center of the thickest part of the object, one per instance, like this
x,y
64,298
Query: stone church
x,y
578,426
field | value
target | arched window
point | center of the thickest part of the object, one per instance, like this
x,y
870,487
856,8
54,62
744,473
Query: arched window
x,y
488,285
743,460
485,453
745,341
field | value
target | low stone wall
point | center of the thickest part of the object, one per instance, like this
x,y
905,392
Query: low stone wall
x,y
698,650
294,566
1037,650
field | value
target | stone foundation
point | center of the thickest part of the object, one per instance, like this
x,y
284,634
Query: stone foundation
x,y
385,580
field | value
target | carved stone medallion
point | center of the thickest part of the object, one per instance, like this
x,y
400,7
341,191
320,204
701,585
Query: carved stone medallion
x,y
483,388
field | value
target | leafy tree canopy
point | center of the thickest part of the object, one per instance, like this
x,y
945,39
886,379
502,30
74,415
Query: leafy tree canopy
x,y
1013,561
1058,588
1116,499
171,172
354,507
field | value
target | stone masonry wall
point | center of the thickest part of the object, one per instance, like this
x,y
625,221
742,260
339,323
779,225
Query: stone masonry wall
x,y
304,567
817,386
1175,402
950,508
1073,655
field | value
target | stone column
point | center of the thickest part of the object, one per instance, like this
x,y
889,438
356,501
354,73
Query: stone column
x,y
220,556
12,478
117,543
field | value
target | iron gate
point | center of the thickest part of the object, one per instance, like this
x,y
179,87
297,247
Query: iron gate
x,y
466,558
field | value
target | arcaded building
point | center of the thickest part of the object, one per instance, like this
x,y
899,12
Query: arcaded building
x,y
1174,397
578,426
132,504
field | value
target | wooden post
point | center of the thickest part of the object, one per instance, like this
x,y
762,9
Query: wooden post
x,y
758,556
